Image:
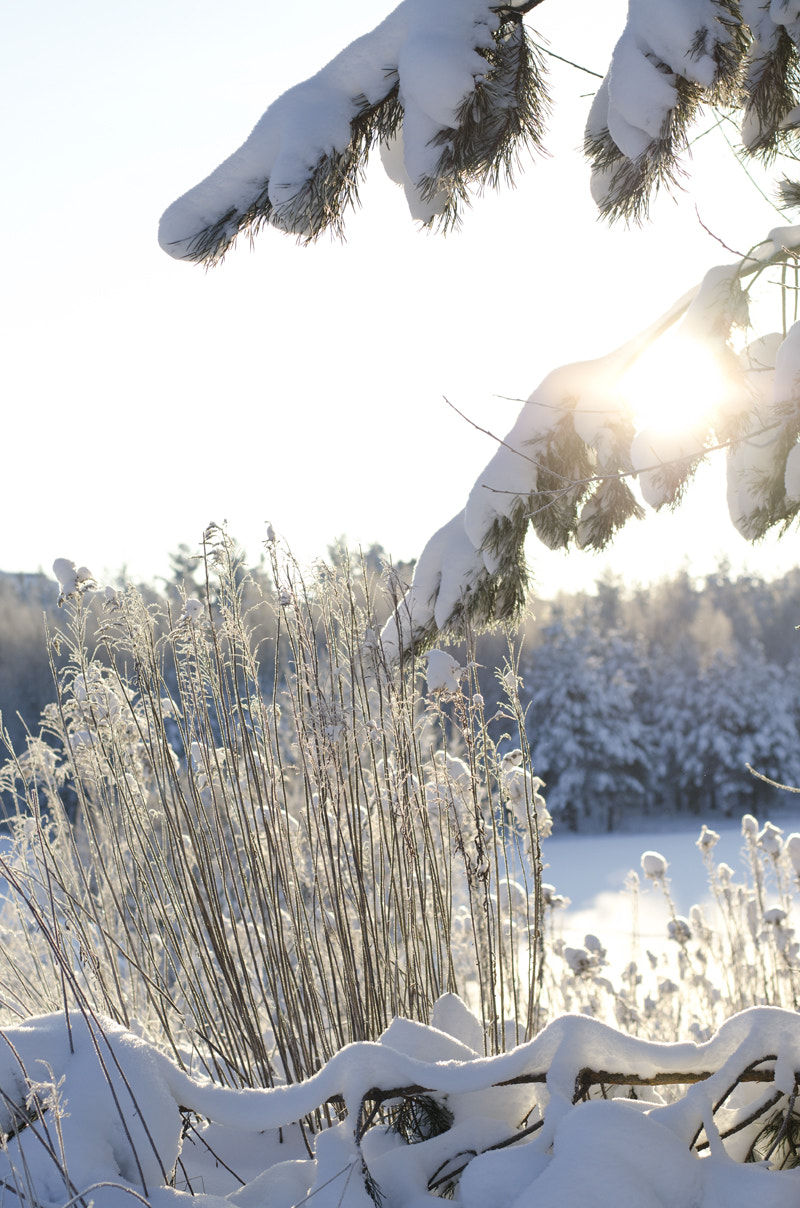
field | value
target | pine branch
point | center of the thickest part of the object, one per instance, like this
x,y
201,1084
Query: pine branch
x,y
626,186
329,191
506,113
772,90
630,185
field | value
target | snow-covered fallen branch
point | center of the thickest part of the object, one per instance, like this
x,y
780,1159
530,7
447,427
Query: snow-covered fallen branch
x,y
86,1104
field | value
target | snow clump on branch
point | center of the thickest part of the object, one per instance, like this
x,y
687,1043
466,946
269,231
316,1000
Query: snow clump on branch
x,y
448,88
73,580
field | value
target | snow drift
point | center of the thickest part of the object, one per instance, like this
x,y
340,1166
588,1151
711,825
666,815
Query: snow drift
x,y
92,1113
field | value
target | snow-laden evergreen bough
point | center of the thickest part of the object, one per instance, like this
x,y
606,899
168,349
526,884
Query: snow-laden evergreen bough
x,y
564,469
92,1113
447,88
452,91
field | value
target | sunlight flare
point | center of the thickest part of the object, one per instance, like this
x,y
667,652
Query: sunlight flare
x,y
673,386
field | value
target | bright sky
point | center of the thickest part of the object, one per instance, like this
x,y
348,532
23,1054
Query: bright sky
x,y
304,386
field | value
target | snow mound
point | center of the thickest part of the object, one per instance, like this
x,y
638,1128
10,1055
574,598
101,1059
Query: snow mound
x,y
91,1110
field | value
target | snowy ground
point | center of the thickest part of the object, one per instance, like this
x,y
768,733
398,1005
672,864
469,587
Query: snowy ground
x,y
93,1115
105,1115
591,870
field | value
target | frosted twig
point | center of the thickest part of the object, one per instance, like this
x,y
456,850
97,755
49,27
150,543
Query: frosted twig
x,y
768,780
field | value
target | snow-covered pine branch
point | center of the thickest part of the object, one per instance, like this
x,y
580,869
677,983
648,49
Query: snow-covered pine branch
x,y
563,468
670,59
450,89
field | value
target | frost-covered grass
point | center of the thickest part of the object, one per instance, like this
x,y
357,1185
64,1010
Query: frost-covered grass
x,y
260,862
736,947
276,930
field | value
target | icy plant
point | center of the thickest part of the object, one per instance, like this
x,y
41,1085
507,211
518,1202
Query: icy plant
x,y
708,839
261,844
654,866
72,580
738,949
444,672
741,949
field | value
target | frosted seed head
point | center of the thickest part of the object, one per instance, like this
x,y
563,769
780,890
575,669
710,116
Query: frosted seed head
x,y
679,930
64,571
579,960
769,839
725,874
551,898
444,672
192,610
708,839
654,865
72,580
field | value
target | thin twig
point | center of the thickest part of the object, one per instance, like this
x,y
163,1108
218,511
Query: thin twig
x,y
788,788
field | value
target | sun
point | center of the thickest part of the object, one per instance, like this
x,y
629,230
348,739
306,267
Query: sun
x,y
673,386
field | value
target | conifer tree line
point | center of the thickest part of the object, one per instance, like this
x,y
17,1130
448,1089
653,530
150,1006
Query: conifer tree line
x,y
649,702
639,702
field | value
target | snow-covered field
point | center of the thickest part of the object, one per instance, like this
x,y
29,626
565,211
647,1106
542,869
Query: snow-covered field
x,y
592,871
586,866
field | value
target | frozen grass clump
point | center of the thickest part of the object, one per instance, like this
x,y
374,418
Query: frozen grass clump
x,y
256,845
735,949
